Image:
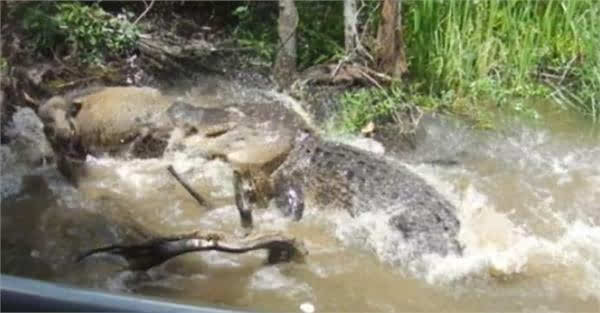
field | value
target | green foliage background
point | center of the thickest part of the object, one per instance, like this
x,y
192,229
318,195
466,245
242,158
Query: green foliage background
x,y
468,58
86,29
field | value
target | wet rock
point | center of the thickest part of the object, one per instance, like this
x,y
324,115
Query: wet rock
x,y
11,177
27,149
27,137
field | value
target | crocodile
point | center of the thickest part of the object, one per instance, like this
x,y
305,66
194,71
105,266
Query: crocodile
x,y
331,175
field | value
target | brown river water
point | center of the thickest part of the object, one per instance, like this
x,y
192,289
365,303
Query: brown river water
x,y
528,197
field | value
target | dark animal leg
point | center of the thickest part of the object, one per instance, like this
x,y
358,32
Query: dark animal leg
x,y
244,197
155,252
187,187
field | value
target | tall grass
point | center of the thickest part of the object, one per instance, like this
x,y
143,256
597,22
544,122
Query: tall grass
x,y
497,52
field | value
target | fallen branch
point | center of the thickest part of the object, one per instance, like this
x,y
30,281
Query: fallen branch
x,y
381,76
188,188
369,78
146,255
347,73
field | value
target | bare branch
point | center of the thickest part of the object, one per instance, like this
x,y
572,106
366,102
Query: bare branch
x,y
145,11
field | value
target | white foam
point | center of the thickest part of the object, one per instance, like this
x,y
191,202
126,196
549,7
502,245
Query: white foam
x,y
495,246
307,307
273,278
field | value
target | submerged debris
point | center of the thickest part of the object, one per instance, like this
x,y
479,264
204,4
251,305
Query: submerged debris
x,y
143,256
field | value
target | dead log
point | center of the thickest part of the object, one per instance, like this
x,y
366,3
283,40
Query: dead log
x,y
143,256
345,74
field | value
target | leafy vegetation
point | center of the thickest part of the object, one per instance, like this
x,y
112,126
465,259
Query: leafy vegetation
x,y
320,34
86,29
370,105
257,28
468,58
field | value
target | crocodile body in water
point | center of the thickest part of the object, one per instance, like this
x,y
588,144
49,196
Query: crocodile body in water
x,y
333,175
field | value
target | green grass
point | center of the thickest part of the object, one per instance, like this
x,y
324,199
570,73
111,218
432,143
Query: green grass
x,y
474,58
369,105
497,53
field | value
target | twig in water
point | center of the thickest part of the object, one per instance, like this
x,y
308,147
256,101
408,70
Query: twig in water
x,y
187,187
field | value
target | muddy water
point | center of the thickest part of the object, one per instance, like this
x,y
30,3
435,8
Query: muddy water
x,y
528,198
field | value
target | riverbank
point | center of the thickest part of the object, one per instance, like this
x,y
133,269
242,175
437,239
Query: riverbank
x,y
466,58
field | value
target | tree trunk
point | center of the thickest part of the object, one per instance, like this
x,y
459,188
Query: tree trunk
x,y
390,44
285,64
350,21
